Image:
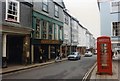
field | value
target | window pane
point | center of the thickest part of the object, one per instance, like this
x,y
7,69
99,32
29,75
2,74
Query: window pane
x,y
56,8
61,33
45,7
56,11
9,11
10,7
10,3
13,13
14,8
44,30
16,18
50,31
45,2
56,32
56,14
10,17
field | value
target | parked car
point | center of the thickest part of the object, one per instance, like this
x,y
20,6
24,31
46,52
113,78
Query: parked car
x,y
88,54
74,56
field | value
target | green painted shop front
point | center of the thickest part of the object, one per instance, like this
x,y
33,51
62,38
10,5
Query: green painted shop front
x,y
47,37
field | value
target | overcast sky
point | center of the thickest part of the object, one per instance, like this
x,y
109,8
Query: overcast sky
x,y
87,12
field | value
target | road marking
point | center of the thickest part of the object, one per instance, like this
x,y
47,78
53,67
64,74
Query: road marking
x,y
88,73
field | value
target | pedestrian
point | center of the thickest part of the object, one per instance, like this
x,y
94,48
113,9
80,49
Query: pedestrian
x,y
58,53
58,56
116,53
44,56
41,58
112,54
27,58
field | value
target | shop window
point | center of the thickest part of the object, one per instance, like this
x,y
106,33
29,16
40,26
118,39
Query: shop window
x,y
56,32
12,10
37,28
61,33
50,31
44,30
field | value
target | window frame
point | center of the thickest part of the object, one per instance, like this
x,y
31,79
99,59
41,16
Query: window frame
x,y
46,5
38,28
66,19
115,28
56,32
44,30
18,11
61,32
56,11
50,31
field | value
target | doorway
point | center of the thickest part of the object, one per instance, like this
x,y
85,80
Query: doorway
x,y
14,49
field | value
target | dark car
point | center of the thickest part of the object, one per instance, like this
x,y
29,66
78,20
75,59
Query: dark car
x,y
74,56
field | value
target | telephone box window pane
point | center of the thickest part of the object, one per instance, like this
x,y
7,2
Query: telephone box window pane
x,y
103,55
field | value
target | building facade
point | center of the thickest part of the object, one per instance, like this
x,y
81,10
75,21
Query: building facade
x,y
110,21
74,33
81,47
47,36
66,46
16,27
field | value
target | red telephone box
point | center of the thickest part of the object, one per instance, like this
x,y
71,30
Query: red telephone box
x,y
104,55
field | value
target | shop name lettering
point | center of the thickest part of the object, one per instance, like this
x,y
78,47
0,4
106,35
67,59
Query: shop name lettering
x,y
49,42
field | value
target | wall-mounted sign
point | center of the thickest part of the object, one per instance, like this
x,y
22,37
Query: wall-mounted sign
x,y
49,42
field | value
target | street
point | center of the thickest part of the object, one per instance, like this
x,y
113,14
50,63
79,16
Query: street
x,y
62,70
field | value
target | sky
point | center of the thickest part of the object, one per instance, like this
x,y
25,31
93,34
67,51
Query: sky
x,y
87,12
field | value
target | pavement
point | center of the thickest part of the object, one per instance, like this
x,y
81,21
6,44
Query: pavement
x,y
92,76
15,68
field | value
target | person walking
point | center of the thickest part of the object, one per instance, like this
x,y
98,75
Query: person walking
x,y
58,57
44,56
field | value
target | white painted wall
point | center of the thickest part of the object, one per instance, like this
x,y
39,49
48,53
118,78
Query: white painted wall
x,y
67,31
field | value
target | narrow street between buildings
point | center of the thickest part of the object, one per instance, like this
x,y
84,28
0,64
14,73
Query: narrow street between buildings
x,y
69,69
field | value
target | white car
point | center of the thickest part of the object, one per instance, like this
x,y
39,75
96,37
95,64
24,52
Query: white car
x,y
88,54
74,56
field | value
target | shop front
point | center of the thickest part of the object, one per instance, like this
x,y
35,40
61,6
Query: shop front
x,y
44,50
81,49
65,50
